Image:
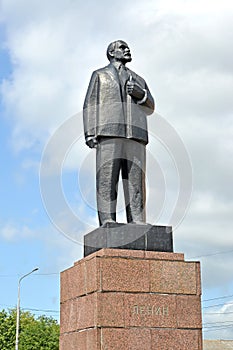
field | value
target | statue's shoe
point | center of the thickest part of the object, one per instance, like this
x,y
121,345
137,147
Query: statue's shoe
x,y
108,223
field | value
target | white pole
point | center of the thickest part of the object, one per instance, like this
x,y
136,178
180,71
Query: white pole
x,y
18,309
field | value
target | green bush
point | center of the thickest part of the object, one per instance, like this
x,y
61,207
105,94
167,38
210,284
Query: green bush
x,y
40,333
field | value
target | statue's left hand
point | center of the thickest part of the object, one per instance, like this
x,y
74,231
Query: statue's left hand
x,y
134,90
91,142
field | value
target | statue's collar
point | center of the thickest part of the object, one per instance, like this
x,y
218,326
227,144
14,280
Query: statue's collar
x,y
117,64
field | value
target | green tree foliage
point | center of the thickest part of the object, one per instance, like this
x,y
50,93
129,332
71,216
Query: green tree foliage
x,y
40,333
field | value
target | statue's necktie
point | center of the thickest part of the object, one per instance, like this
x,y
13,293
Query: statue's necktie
x,y
123,74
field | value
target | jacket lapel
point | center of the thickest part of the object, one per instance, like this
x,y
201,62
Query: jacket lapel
x,y
111,70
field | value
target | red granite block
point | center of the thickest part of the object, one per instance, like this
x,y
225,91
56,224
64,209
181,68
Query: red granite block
x,y
125,339
68,316
119,274
188,311
175,339
164,256
93,340
79,313
112,252
150,310
173,277
132,339
82,340
198,274
87,340
86,308
92,275
110,312
81,279
68,341
72,282
129,253
200,340
124,253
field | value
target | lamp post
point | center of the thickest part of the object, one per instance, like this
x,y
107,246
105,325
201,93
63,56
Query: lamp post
x,y
18,309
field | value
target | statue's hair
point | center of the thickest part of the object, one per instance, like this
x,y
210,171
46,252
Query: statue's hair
x,y
111,47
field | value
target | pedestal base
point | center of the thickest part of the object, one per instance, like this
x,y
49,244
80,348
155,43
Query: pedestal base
x,y
118,299
129,236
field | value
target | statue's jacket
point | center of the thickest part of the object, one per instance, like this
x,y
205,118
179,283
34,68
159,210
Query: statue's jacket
x,y
109,111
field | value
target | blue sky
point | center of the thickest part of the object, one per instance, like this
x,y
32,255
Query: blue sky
x,y
47,54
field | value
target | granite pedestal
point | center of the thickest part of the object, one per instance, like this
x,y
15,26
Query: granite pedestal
x,y
117,299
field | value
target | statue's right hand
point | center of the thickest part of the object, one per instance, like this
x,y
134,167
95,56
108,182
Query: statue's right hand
x,y
91,142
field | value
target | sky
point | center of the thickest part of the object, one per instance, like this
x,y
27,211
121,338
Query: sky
x,y
48,50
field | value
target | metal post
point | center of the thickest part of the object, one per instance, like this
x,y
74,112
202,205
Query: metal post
x,y
18,309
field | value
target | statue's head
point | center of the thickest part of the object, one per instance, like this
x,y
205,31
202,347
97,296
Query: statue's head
x,y
119,51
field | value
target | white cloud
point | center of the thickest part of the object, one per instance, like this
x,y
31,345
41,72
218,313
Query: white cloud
x,y
50,68
218,320
54,52
184,7
57,251
10,232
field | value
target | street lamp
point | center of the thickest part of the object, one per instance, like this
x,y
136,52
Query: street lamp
x,y
18,309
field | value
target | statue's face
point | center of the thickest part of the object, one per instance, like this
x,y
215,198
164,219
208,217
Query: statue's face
x,y
122,52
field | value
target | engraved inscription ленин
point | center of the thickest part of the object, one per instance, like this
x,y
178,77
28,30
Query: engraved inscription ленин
x,y
150,310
